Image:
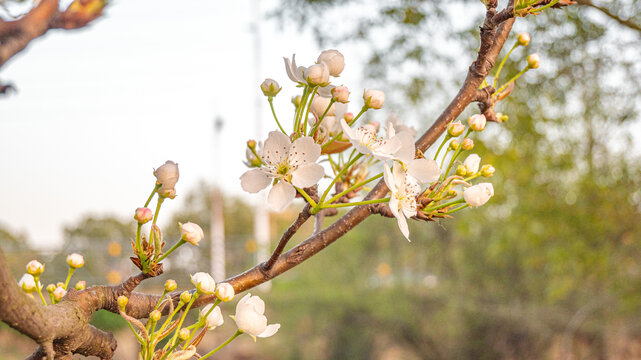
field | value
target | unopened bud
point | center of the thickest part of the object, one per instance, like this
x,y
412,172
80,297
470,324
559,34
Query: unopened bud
x,y
348,117
35,268
460,170
270,87
167,175
487,170
75,260
452,193
185,297
191,233
317,75
122,302
455,128
374,99
334,60
340,94
27,283
155,316
533,61
225,292
157,234
143,215
477,122
170,285
59,293
183,334
296,100
251,144
51,288
81,285
523,39
60,284
454,144
467,144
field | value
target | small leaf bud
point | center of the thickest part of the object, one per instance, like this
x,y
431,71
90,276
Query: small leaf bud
x,y
122,302
296,100
467,144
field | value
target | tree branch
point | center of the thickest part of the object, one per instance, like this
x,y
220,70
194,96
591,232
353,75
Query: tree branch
x,y
625,22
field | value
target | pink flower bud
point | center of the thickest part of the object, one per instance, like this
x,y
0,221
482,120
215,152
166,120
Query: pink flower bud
x,y
81,285
35,268
170,285
467,144
59,293
143,215
349,117
340,94
477,122
191,233
455,128
374,99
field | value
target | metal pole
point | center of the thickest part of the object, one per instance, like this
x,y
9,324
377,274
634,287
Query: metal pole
x,y
261,215
217,248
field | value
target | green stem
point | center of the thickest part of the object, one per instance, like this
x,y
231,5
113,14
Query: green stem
x,y
271,105
353,187
237,334
71,270
173,346
171,316
253,150
176,245
37,280
472,177
512,79
456,154
447,137
375,201
333,164
300,109
322,199
313,131
443,205
445,156
311,99
498,71
457,209
311,201
140,340
152,194
138,237
182,318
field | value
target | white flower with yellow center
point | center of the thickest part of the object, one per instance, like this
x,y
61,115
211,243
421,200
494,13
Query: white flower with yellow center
x,y
423,170
405,189
287,164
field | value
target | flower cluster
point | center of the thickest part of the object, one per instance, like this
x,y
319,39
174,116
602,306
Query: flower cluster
x,y
323,130
183,339
30,282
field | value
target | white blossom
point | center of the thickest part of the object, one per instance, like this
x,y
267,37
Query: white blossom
x,y
367,142
334,60
225,292
290,164
27,283
75,260
167,175
317,75
423,170
203,282
215,317
477,122
472,163
404,190
374,99
478,194
250,319
295,73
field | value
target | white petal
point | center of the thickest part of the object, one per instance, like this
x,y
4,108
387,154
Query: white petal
x,y
281,195
424,170
276,147
394,205
408,206
307,175
254,180
402,225
340,109
387,150
399,174
269,331
407,151
288,69
348,130
258,304
389,179
326,91
304,150
242,302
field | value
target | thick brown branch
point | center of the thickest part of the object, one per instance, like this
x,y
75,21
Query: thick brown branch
x,y
287,235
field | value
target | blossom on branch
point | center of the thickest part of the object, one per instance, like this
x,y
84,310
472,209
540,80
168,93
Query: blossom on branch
x,y
367,142
288,165
404,190
478,194
250,319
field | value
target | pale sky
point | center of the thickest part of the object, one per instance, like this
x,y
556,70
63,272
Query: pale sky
x,y
98,109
